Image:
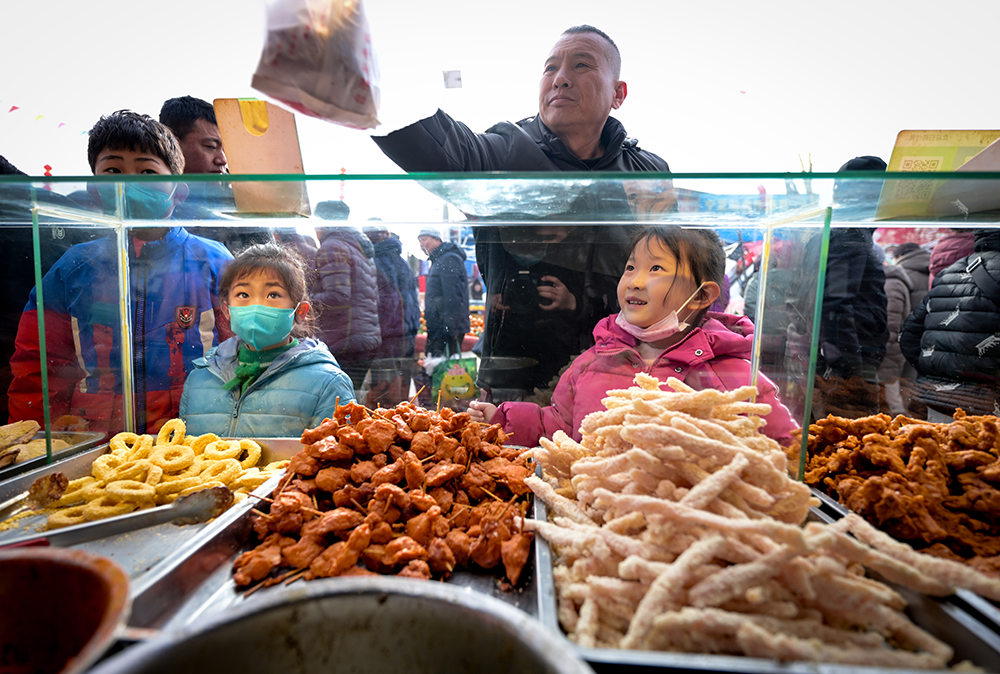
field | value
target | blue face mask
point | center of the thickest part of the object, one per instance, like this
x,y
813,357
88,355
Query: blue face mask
x,y
142,202
261,326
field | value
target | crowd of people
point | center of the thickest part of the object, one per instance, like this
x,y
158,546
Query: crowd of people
x,y
256,332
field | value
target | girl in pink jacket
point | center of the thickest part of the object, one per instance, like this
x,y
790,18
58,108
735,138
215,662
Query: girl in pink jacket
x,y
664,329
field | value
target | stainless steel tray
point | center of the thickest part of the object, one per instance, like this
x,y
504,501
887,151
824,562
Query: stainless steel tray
x,y
182,573
138,552
943,618
78,441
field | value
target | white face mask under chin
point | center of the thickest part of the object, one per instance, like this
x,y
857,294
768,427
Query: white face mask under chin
x,y
663,328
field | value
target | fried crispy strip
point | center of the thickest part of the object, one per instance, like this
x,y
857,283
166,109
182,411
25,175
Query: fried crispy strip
x,y
560,505
668,586
948,573
758,642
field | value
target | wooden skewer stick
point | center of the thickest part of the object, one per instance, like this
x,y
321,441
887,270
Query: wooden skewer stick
x,y
262,514
492,494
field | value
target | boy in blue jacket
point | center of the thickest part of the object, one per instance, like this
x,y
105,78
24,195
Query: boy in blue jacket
x,y
174,281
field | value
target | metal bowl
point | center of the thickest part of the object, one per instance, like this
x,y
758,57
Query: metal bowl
x,y
61,609
358,625
506,371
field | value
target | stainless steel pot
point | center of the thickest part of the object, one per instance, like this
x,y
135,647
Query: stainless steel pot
x,y
358,625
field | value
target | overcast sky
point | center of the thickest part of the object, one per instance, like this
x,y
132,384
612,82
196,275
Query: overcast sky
x,y
713,85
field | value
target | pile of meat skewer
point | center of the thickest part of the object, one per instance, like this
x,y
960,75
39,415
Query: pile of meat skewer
x,y
403,490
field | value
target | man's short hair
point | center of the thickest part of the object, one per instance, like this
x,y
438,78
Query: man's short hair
x,y
614,55
8,169
333,209
180,114
127,130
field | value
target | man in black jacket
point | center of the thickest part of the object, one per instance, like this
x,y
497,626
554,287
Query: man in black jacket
x,y
572,131
446,300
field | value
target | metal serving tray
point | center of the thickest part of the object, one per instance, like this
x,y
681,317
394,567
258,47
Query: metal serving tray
x,y
181,573
137,552
78,441
943,618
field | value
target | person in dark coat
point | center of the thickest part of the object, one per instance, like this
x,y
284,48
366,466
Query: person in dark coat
x,y
446,299
399,317
854,324
573,130
953,337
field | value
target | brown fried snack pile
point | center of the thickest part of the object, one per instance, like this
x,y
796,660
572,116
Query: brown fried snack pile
x,y
934,486
403,491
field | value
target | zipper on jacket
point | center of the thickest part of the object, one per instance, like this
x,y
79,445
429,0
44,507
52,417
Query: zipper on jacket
x,y
139,357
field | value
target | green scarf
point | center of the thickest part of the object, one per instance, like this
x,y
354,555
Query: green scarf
x,y
252,364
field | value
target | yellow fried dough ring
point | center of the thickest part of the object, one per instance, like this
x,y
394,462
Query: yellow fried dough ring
x,y
172,458
275,466
176,486
250,479
106,506
154,475
66,517
79,491
224,471
130,490
175,427
104,466
130,470
253,453
122,443
199,442
142,448
203,485
223,449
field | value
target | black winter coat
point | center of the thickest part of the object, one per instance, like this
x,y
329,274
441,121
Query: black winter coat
x,y
442,144
854,329
446,300
954,333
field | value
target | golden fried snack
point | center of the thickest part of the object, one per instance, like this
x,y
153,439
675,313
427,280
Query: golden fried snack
x,y
933,486
141,471
675,526
401,490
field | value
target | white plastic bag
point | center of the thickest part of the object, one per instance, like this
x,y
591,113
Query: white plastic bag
x,y
318,59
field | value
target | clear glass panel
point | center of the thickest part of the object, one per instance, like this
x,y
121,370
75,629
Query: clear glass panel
x,y
543,255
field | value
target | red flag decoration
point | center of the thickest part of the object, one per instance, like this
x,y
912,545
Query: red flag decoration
x,y
13,108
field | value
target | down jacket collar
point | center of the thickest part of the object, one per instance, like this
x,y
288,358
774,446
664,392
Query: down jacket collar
x,y
222,360
720,335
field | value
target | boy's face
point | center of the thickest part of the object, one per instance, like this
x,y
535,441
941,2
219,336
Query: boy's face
x,y
129,162
137,162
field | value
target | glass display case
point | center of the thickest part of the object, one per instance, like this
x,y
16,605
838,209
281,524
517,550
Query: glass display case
x,y
127,303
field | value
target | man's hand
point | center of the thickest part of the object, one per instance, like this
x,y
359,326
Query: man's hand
x,y
559,296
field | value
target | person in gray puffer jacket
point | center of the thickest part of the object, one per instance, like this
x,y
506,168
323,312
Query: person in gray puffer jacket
x,y
905,287
347,292
953,337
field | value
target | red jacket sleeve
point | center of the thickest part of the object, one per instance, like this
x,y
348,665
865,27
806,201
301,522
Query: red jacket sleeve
x,y
25,393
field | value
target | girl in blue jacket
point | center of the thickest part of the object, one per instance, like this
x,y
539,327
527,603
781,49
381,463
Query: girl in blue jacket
x,y
271,379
